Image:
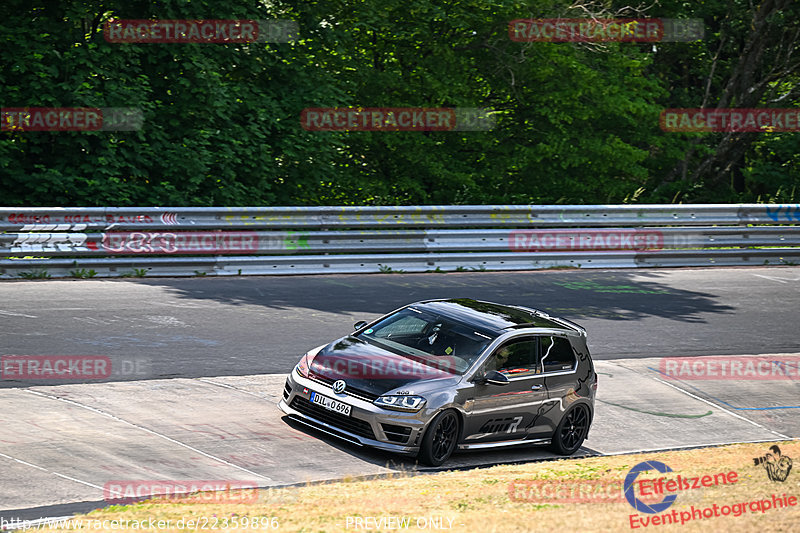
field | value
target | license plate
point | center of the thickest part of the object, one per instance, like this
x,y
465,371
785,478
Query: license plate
x,y
330,404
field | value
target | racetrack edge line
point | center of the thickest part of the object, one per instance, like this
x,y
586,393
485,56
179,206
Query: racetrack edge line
x,y
157,434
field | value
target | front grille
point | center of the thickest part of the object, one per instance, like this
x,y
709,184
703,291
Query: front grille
x,y
352,391
353,425
396,433
287,390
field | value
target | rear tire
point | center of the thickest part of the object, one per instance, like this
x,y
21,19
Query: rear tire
x,y
571,431
440,438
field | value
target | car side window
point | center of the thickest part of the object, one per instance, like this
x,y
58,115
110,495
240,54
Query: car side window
x,y
557,354
515,358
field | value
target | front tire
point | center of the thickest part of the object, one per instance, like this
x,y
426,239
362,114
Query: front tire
x,y
571,431
440,439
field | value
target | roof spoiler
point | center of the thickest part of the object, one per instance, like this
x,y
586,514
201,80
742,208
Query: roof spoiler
x,y
569,323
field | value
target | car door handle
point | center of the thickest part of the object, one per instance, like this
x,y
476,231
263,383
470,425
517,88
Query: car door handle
x,y
536,387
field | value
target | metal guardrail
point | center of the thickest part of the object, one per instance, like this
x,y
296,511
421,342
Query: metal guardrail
x,y
111,242
152,218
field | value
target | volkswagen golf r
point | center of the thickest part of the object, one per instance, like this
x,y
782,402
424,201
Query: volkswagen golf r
x,y
438,375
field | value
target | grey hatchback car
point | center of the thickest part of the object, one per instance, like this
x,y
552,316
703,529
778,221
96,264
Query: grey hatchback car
x,y
438,375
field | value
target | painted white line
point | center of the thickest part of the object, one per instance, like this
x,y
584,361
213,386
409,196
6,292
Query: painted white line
x,y
9,313
147,430
183,305
740,417
690,446
226,386
776,278
53,472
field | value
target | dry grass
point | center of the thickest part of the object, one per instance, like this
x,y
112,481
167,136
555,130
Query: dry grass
x,y
479,500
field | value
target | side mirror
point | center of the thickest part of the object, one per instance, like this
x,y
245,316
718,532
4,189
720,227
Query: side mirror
x,y
360,324
493,377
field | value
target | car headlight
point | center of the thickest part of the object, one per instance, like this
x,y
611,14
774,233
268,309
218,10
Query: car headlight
x,y
302,366
305,362
401,403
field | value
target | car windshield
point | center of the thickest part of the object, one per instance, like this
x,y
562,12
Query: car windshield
x,y
429,338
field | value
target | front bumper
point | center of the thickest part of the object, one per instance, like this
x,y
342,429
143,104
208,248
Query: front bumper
x,y
365,426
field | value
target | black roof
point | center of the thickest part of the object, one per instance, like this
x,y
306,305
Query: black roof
x,y
488,315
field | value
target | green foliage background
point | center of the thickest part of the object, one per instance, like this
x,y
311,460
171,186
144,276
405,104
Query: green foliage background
x,y
577,123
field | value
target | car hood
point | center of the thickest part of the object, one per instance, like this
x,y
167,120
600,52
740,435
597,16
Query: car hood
x,y
375,370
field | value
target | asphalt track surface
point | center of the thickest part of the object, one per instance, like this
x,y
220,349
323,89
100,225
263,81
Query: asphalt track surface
x,y
242,326
214,351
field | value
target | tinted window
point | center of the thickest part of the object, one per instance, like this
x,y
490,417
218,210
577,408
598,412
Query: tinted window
x,y
429,338
516,358
557,354
403,325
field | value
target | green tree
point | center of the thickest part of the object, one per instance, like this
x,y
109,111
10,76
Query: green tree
x,y
220,120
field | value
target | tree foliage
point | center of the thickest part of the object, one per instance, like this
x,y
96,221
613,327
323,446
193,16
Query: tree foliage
x,y
576,122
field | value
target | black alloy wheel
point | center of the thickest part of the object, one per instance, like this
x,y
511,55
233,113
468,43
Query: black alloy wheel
x,y
440,439
572,431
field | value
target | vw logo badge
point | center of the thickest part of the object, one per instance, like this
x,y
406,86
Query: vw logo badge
x,y
338,386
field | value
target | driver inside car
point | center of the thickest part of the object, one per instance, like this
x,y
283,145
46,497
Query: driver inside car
x,y
501,358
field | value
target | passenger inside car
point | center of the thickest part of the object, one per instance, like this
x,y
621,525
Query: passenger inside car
x,y
514,358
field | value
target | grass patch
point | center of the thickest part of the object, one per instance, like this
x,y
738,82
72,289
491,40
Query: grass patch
x,y
485,500
386,269
83,273
36,273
